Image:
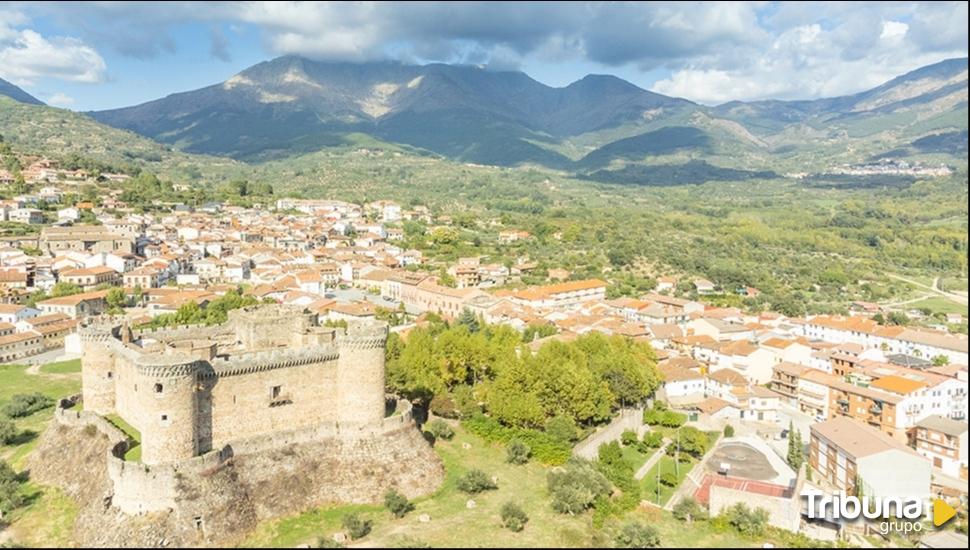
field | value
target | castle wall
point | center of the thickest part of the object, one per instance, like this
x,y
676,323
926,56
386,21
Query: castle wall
x,y
167,397
266,401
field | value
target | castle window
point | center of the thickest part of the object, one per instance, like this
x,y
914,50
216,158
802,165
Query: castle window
x,y
164,418
158,388
277,390
110,375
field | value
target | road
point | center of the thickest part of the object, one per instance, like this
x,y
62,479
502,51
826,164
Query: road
x,y
935,289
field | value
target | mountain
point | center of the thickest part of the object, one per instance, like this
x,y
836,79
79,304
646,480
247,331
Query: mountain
x,y
927,91
291,105
15,93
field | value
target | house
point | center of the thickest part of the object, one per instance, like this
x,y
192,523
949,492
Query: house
x,y
90,277
944,442
665,284
846,453
561,294
14,313
76,306
719,329
703,286
682,379
20,345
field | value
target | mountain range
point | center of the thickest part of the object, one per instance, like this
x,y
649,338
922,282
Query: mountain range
x,y
13,92
292,105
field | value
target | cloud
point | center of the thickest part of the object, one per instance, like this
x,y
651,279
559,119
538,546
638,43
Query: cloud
x,y
218,45
60,99
26,55
712,50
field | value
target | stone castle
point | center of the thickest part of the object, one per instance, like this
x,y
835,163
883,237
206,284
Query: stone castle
x,y
294,413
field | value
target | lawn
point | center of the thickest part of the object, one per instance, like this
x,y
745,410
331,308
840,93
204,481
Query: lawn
x,y
14,380
648,485
635,457
47,520
62,367
939,304
134,453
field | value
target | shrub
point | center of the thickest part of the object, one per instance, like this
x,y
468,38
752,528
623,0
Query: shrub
x,y
513,517
8,431
745,520
636,534
517,452
444,406
545,448
653,417
653,440
673,419
397,503
406,541
668,479
576,487
729,431
629,437
10,494
356,527
475,481
562,428
440,429
610,453
689,510
22,405
327,542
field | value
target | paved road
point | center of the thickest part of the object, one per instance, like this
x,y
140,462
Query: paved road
x,y
934,289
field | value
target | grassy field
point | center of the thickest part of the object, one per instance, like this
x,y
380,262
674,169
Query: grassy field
x,y
62,367
134,453
47,519
14,379
648,485
939,304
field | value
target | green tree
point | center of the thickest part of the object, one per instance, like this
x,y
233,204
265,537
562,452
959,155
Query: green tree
x,y
517,452
513,517
636,534
688,509
10,494
576,487
795,451
397,503
8,431
357,528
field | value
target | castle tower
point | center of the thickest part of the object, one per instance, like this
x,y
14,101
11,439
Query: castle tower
x,y
97,369
360,374
169,412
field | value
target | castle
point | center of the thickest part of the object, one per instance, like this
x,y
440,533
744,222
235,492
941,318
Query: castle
x,y
266,414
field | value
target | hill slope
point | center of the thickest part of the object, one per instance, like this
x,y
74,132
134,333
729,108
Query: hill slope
x,y
15,93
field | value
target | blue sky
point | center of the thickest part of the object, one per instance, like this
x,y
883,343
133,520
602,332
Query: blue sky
x,y
100,55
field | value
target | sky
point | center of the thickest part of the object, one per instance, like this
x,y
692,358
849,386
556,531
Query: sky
x,y
102,55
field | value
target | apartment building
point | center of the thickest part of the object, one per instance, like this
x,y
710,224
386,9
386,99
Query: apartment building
x,y
944,442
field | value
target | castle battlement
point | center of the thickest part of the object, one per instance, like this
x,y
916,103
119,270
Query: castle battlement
x,y
269,369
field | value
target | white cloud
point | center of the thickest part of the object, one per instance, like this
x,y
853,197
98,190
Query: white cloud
x,y
893,29
26,55
60,99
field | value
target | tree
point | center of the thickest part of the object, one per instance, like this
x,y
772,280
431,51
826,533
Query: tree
x,y
941,360
669,479
357,528
576,487
116,299
469,320
8,431
440,429
745,520
688,509
728,430
628,438
475,481
517,452
397,503
795,451
513,517
636,534
65,289
10,496
562,428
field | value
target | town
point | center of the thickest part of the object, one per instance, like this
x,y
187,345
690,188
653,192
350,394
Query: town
x,y
857,393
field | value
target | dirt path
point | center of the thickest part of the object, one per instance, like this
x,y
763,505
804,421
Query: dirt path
x,y
934,289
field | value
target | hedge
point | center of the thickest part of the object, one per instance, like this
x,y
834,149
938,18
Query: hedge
x,y
545,448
